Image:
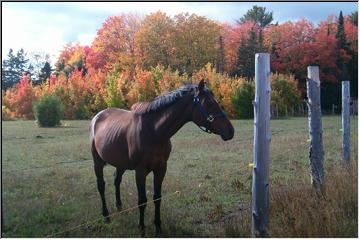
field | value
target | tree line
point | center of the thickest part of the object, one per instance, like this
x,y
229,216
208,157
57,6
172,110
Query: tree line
x,y
129,50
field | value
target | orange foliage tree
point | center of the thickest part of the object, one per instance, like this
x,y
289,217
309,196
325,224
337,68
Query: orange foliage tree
x,y
136,59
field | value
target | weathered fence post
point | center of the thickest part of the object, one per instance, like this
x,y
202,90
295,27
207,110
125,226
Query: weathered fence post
x,y
262,137
345,121
316,152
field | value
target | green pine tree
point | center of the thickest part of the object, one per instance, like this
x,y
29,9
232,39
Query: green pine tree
x,y
341,45
13,68
45,72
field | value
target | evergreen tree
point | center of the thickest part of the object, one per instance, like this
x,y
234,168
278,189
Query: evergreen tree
x,y
353,63
13,68
241,58
257,15
340,34
261,42
341,45
45,72
245,65
354,18
246,52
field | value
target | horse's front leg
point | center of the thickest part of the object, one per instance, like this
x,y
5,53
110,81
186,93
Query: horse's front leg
x,y
140,184
159,175
117,180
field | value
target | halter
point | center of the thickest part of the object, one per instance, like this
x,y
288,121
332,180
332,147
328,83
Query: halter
x,y
209,117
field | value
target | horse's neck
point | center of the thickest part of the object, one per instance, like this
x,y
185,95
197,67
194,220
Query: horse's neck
x,y
171,119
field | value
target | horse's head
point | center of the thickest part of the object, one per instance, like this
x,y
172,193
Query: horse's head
x,y
208,115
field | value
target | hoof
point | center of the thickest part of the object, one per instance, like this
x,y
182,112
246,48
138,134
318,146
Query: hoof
x,y
158,232
118,206
107,219
142,230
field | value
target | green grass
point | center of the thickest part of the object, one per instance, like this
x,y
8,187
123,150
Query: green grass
x,y
49,185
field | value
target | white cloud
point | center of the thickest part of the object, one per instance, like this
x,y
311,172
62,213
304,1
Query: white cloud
x,y
21,30
86,38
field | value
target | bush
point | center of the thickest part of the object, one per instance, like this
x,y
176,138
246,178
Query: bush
x,y
6,114
48,111
223,86
114,97
242,101
284,92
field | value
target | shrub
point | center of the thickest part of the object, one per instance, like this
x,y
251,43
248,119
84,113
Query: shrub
x,y
284,92
6,114
48,111
114,97
242,101
223,86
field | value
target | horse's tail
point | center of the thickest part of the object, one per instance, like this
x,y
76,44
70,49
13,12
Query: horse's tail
x,y
94,152
92,127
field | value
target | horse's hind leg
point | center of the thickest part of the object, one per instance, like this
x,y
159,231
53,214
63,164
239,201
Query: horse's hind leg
x,y
117,180
99,167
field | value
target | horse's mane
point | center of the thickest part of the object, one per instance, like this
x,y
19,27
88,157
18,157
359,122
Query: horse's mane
x,y
163,101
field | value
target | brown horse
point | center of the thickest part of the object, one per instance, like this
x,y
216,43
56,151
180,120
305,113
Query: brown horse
x,y
140,139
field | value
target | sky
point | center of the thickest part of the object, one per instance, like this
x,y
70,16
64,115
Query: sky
x,y
47,27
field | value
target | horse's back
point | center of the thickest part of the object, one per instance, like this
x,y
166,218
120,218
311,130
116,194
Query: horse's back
x,y
108,131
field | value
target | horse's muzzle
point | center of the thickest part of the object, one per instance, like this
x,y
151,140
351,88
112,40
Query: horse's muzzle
x,y
228,134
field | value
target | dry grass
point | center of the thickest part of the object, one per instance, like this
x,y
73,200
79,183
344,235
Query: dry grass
x,y
297,211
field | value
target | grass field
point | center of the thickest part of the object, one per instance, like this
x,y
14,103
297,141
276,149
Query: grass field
x,y
48,184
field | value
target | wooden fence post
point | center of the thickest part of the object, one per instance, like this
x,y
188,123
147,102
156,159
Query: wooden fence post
x,y
345,121
316,152
262,137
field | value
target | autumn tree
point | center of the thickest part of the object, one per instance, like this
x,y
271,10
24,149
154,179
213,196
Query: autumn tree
x,y
196,39
233,35
220,59
155,40
72,57
114,47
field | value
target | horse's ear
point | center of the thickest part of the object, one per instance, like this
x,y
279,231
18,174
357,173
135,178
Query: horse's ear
x,y
201,85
